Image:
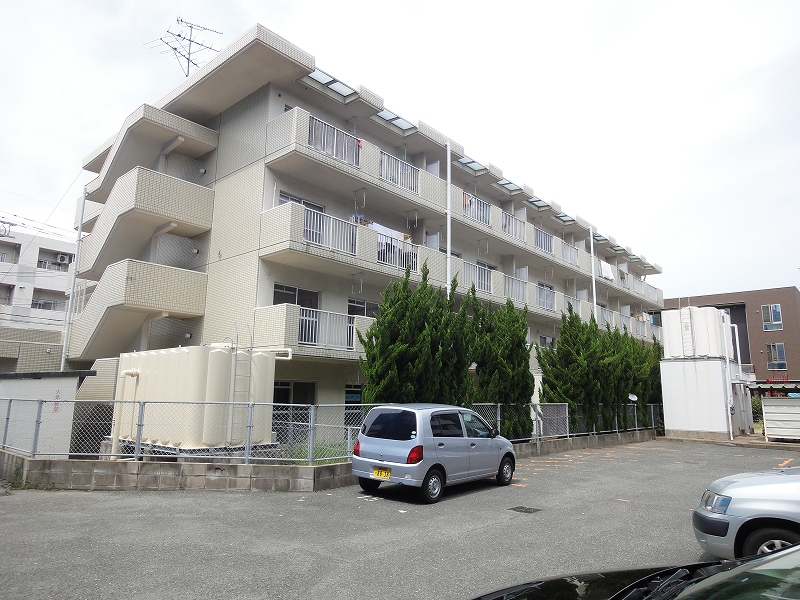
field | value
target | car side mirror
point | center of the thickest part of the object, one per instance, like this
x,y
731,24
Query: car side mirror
x,y
495,433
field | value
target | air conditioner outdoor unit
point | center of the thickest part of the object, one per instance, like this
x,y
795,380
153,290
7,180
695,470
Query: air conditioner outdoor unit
x,y
62,258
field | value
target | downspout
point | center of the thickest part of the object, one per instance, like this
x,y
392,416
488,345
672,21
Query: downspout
x,y
594,285
729,383
449,200
68,316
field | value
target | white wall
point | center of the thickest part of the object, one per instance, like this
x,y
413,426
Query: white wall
x,y
694,397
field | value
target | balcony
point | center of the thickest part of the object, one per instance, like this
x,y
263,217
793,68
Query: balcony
x,y
478,275
397,253
605,317
329,232
142,204
514,288
543,240
512,226
49,265
129,294
309,332
545,298
399,173
476,209
147,133
334,142
569,254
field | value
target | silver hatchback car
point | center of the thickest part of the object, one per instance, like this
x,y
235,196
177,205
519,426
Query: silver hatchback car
x,y
749,513
429,446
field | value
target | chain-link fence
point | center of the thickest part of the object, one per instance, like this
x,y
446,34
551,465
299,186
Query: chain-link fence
x,y
245,432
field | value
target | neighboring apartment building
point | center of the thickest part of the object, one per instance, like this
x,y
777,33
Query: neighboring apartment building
x,y
33,287
265,201
768,322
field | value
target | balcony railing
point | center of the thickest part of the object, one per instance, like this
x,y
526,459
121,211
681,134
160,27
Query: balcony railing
x,y
399,172
480,276
48,304
625,323
330,232
606,318
638,285
515,288
569,254
576,304
543,240
325,329
650,292
545,298
512,226
476,209
639,327
333,141
397,253
52,266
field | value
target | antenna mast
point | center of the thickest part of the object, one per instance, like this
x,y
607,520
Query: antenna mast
x,y
184,45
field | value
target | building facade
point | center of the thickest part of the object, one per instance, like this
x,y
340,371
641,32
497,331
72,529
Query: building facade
x,y
33,299
768,324
265,203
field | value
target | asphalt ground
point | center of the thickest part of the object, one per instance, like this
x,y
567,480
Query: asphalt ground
x,y
622,507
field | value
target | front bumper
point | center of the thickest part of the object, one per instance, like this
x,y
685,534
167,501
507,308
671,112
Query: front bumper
x,y
401,473
715,533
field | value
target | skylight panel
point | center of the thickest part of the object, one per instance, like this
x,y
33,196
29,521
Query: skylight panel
x,y
566,219
341,88
387,115
402,124
320,76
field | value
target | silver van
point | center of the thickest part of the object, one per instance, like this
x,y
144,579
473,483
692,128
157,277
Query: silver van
x,y
429,446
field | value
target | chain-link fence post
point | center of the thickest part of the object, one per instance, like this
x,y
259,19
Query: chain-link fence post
x,y
616,423
312,428
139,427
566,410
499,416
248,444
8,420
35,444
636,416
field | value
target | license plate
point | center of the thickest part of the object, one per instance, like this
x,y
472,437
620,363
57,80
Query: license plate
x,y
381,473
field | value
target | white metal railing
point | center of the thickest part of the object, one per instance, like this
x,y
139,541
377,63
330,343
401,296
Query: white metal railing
x,y
325,329
624,323
650,292
639,328
399,172
512,226
515,288
545,298
543,240
569,253
330,232
480,276
638,285
52,266
576,304
333,141
397,253
606,318
476,209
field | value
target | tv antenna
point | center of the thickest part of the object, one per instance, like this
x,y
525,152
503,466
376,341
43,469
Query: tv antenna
x,y
183,45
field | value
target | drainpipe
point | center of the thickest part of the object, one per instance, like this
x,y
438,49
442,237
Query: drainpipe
x,y
594,285
728,382
68,316
449,200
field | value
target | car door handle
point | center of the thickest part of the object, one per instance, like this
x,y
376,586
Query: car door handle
x,y
440,444
472,444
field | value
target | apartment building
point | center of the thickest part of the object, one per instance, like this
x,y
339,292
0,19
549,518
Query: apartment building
x,y
768,326
265,203
33,287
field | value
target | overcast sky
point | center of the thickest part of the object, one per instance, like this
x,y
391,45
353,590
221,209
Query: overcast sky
x,y
672,126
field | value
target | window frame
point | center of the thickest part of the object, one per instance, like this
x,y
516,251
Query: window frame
x,y
776,357
768,317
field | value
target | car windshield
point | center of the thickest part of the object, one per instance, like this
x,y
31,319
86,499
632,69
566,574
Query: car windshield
x,y
392,425
769,577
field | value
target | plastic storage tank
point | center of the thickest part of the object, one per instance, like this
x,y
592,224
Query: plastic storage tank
x,y
188,391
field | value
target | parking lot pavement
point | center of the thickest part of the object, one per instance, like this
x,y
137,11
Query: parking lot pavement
x,y
586,510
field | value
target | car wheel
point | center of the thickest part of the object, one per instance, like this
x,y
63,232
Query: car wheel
x,y
368,485
506,471
432,486
769,539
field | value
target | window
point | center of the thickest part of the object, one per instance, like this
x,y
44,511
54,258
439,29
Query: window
x,y
771,315
547,342
286,294
283,198
3,257
361,308
453,253
476,428
446,425
776,357
393,425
